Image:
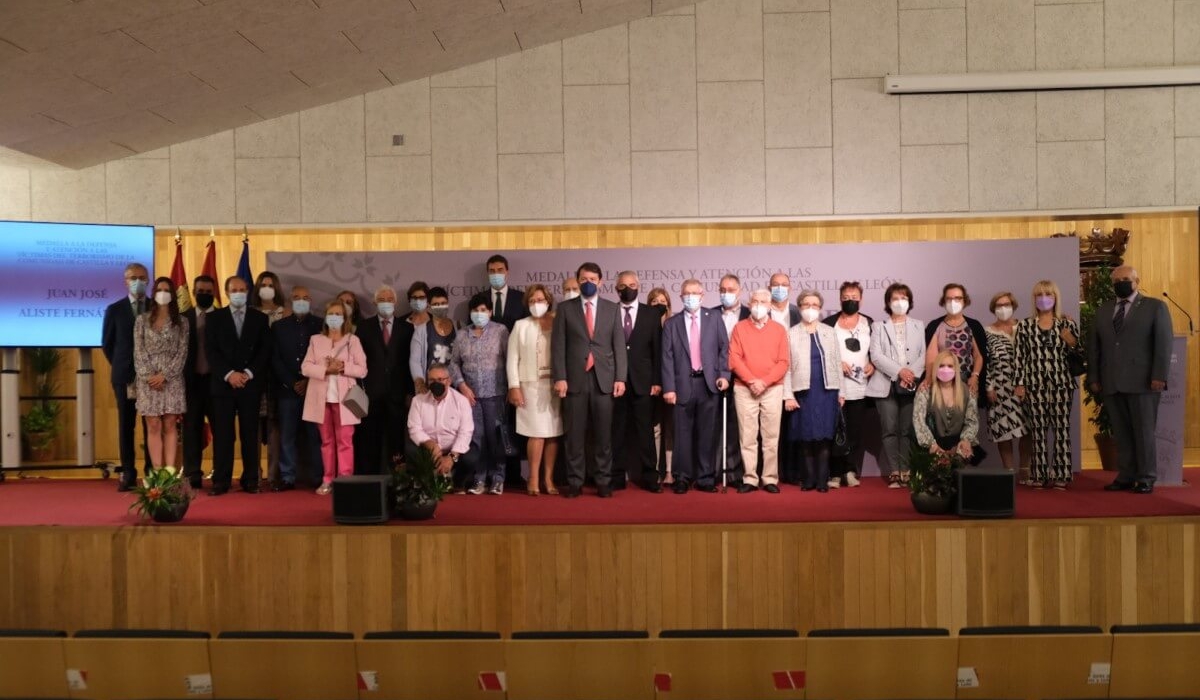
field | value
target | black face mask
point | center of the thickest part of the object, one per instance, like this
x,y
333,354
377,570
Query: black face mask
x,y
204,300
1124,289
628,295
437,389
850,306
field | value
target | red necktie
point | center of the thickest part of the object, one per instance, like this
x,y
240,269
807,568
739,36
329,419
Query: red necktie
x,y
387,332
591,326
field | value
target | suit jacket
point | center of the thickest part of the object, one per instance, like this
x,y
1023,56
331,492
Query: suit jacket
x,y
1128,361
677,355
349,351
387,366
793,314
643,350
289,343
117,340
514,307
570,345
229,353
886,356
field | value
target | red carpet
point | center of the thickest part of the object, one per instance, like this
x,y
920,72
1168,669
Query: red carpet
x,y
74,502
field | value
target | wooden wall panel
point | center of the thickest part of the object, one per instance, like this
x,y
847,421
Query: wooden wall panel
x,y
947,574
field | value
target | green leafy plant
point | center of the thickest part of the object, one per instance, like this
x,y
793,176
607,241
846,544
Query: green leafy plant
x,y
40,422
418,481
160,493
1097,289
933,473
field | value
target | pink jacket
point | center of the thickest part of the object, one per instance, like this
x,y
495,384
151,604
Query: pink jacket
x,y
349,351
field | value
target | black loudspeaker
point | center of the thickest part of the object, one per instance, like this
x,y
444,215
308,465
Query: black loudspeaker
x,y
986,493
361,500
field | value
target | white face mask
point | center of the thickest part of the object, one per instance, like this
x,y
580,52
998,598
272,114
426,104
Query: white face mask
x,y
954,307
759,311
162,298
900,307
538,309
810,315
570,294
1004,313
267,294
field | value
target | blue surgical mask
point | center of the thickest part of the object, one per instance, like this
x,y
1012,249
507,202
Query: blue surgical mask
x,y
301,306
237,299
137,287
480,318
418,305
588,289
691,302
497,280
779,294
334,322
728,299
386,308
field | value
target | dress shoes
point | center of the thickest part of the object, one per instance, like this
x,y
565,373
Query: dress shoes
x,y
570,492
281,486
618,484
604,491
707,489
747,488
679,487
196,483
1120,486
124,486
249,488
771,488
218,491
823,489
652,487
1142,487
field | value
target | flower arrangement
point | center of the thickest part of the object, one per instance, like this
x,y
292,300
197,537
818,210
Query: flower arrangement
x,y
163,495
933,473
419,486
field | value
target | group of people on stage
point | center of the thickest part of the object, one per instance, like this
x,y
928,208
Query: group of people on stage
x,y
631,390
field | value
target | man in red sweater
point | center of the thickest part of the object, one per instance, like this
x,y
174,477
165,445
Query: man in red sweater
x,y
758,357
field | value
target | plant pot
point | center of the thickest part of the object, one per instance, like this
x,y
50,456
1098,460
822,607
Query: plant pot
x,y
40,446
172,515
930,504
417,510
1106,445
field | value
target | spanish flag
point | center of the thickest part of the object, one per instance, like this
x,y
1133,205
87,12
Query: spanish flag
x,y
210,269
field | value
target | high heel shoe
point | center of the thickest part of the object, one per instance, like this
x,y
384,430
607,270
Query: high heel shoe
x,y
533,491
551,491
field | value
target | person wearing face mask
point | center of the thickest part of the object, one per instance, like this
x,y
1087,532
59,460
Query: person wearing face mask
x,y
333,363
589,369
758,359
199,383
787,314
813,388
439,420
479,369
633,412
732,310
782,312
695,360
439,338
1045,385
1006,418
290,339
263,296
350,300
1129,355
664,415
945,413
386,341
961,335
117,344
160,342
508,304
570,289
853,330
538,408
898,353
238,347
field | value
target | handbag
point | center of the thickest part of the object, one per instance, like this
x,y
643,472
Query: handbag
x,y
1076,361
900,391
356,401
131,391
504,438
841,447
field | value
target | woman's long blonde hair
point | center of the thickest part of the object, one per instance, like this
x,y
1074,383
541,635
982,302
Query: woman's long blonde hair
x,y
960,391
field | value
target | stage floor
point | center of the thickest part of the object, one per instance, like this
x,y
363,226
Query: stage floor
x,y
95,502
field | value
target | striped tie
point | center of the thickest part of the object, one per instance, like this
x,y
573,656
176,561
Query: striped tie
x,y
1119,319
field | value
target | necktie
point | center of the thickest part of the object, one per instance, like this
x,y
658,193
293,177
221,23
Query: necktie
x,y
499,305
137,308
628,324
591,329
694,342
1119,319
238,318
201,356
387,331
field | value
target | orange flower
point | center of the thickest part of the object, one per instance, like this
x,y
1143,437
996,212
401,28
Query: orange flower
x,y
154,493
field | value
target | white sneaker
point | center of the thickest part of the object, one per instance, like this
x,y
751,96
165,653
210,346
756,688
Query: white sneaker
x,y
852,479
834,483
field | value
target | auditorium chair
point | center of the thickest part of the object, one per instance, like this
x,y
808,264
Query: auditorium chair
x,y
1045,661
1155,661
750,664
32,664
598,665
870,664
429,665
140,663
283,664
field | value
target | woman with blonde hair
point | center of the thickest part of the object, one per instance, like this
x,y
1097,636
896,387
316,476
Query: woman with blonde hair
x,y
1044,382
334,361
530,389
945,415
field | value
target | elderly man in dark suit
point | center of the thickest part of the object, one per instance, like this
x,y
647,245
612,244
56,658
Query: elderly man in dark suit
x,y
290,336
588,365
117,344
730,311
695,361
238,345
386,341
1129,356
633,413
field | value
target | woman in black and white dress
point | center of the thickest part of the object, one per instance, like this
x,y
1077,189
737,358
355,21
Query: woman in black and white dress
x,y
1006,418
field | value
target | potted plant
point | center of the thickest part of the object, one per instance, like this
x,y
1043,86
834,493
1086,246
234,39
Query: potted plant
x,y
163,496
39,425
1097,289
931,480
419,486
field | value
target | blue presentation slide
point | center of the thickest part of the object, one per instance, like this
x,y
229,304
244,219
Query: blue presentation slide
x,y
57,279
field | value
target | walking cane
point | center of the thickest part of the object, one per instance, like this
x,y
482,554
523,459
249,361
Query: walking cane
x,y
724,437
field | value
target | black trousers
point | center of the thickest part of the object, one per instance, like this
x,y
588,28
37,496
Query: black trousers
x,y
126,420
633,439
241,405
588,408
463,473
379,436
856,420
695,442
199,408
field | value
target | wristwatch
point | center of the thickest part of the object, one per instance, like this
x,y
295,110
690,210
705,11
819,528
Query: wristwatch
x,y
454,458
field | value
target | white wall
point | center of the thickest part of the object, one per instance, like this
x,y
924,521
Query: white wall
x,y
727,108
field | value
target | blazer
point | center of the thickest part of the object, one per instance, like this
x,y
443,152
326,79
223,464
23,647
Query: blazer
x,y
1128,361
229,353
677,354
521,361
643,350
793,314
742,315
290,337
570,345
116,340
885,354
348,350
514,307
387,366
800,366
980,337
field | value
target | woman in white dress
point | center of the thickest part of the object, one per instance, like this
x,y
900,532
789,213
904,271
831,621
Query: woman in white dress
x,y
539,415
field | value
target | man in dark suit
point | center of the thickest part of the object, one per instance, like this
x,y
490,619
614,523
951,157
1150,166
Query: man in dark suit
x,y
238,344
289,343
633,413
1129,356
117,344
508,304
695,361
199,383
786,313
731,311
386,341
588,365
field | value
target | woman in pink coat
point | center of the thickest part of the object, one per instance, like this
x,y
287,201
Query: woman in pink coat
x,y
334,362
